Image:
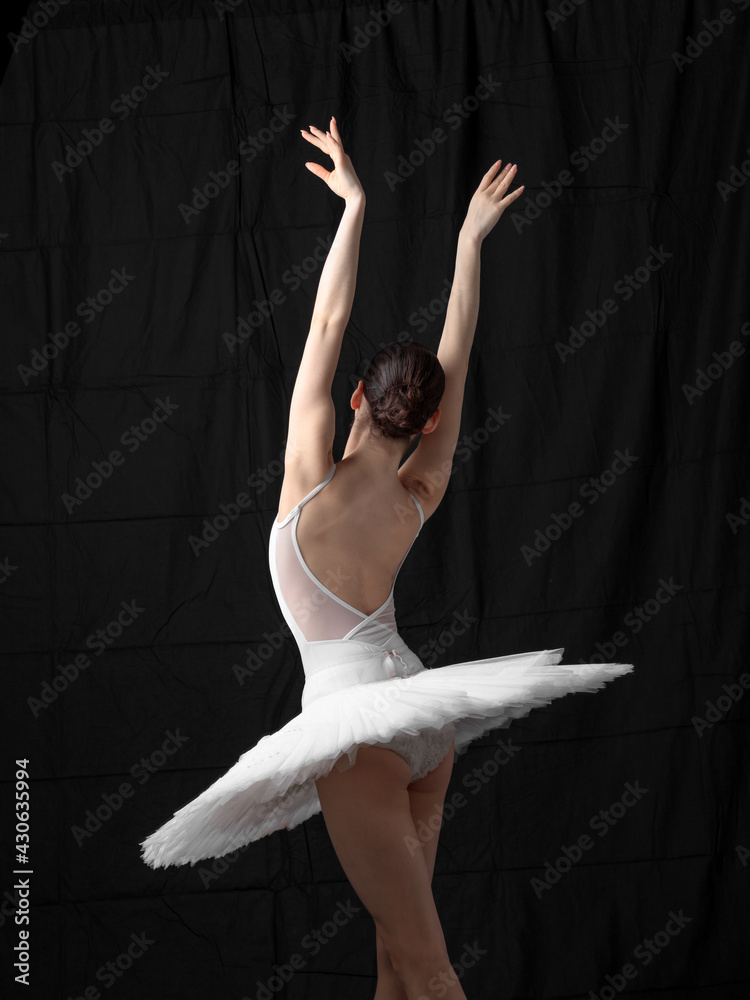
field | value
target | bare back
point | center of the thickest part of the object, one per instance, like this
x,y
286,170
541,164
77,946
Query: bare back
x,y
352,535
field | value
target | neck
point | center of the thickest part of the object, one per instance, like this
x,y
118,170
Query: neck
x,y
381,455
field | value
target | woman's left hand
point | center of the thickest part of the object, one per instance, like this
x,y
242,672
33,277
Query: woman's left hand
x,y
342,180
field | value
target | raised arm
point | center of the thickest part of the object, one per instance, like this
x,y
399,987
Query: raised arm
x,y
333,302
429,466
311,412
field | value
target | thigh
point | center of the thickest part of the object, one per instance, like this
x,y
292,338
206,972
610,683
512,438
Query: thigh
x,y
426,798
366,809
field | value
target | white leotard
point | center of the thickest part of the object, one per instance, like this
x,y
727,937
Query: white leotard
x,y
311,610
315,616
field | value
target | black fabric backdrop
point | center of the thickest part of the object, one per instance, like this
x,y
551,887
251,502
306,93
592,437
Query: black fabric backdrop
x,y
186,320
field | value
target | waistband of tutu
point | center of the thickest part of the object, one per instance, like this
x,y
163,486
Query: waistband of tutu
x,y
334,664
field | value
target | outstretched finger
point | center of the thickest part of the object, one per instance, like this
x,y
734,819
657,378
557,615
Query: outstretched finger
x,y
503,179
319,133
327,142
512,196
312,137
485,181
335,131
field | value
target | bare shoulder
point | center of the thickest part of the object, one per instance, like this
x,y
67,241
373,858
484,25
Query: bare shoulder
x,y
299,479
429,497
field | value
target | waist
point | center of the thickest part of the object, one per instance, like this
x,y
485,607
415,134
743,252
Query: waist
x,y
332,664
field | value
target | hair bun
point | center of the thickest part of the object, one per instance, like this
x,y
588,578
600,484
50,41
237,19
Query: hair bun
x,y
403,386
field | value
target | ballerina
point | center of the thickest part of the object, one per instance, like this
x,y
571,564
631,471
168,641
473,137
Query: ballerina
x,y
374,743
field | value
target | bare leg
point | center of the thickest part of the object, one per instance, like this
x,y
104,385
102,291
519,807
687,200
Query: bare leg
x,y
367,813
426,797
389,985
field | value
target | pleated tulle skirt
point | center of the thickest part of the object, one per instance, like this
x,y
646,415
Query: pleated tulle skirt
x,y
357,693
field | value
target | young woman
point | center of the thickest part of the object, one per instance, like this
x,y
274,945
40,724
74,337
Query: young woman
x,y
374,744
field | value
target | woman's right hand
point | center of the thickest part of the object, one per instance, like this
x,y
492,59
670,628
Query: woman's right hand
x,y
342,180
490,200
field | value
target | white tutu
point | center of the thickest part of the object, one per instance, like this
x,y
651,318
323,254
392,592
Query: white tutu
x,y
360,695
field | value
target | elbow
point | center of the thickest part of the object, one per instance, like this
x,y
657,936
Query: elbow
x,y
329,324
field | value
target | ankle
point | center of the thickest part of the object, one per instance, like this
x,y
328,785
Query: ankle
x,y
439,982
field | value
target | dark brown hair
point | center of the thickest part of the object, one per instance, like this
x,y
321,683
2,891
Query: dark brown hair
x,y
403,385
